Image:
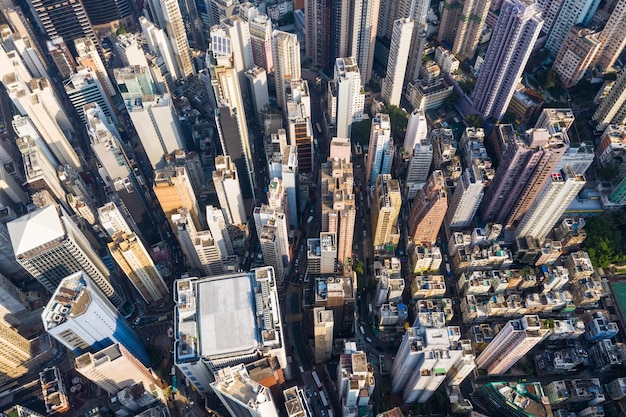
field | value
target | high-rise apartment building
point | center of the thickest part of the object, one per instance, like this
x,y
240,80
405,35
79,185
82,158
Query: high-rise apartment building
x,y
416,130
355,379
15,349
385,210
518,25
219,230
380,151
275,237
338,205
81,318
115,368
168,16
158,42
573,12
350,96
172,188
232,38
317,23
549,11
201,250
261,37
612,108
286,49
238,321
301,135
511,343
62,250
111,219
323,324
612,37
68,20
466,198
553,200
363,38
576,54
226,181
398,57
133,258
429,210
241,395
462,23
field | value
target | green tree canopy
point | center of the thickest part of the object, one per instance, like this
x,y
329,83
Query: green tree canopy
x,y
473,120
360,132
606,241
399,119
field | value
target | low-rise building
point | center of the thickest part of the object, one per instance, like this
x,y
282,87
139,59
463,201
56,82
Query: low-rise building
x,y
428,286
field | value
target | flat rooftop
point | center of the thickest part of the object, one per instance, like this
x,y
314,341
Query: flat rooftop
x,y
226,311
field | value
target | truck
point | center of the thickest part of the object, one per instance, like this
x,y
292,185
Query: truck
x,y
309,220
323,398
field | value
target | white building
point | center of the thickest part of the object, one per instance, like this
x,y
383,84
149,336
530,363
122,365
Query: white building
x,y
286,49
350,95
241,395
398,57
226,181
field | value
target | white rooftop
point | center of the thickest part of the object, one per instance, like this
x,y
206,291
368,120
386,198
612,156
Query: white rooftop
x,y
35,229
227,316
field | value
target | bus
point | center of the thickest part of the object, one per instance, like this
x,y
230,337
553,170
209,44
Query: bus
x,y
319,128
323,397
317,379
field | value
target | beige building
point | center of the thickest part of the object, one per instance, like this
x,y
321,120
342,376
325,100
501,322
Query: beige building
x,y
15,349
385,211
338,205
132,256
286,49
114,368
576,55
612,37
461,25
323,324
429,210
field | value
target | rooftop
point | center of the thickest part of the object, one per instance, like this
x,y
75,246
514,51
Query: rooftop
x,y
35,229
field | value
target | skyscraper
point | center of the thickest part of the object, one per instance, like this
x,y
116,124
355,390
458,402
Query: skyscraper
x,y
158,42
398,58
512,41
131,255
88,56
323,324
350,96
429,210
83,88
301,135
466,198
385,210
233,33
573,12
286,49
81,318
416,130
380,151
62,250
512,342
612,108
112,220
275,237
15,349
317,23
577,52
551,203
612,37
261,39
363,38
462,23
200,249
241,395
115,368
226,181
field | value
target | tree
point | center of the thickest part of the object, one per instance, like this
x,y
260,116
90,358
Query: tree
x,y
508,118
399,119
359,267
605,242
451,100
467,86
608,172
473,120
360,132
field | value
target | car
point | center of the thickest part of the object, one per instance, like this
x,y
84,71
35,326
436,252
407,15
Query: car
x,y
368,340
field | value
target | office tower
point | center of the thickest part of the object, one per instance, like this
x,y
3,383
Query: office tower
x,y
257,85
301,135
61,56
172,188
323,324
29,52
416,130
522,172
350,96
115,368
168,16
231,38
385,210
612,38
129,48
512,342
326,251
11,301
297,91
158,41
380,151
154,116
107,14
286,49
428,354
39,167
398,58
363,37
355,380
112,220
199,247
82,319
573,12
518,25
63,250
219,230
220,9
133,258
340,148
83,87
338,205
68,20
228,326
462,23
429,210
15,350
276,218
226,181
317,23
553,200
420,158
38,101
612,108
289,175
230,116
575,55
270,242
87,55
241,395
260,26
